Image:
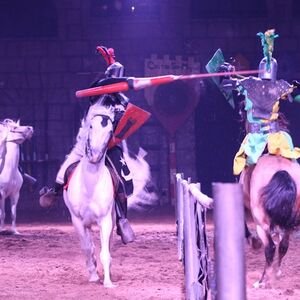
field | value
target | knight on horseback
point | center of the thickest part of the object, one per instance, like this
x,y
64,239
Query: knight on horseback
x,y
265,125
114,157
267,159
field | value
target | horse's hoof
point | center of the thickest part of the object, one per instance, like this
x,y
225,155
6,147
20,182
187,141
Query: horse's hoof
x,y
94,278
258,284
109,285
278,274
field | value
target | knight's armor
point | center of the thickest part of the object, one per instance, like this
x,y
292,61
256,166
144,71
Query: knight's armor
x,y
268,70
261,95
263,128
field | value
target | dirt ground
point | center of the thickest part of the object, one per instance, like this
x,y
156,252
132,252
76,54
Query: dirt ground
x,y
288,286
45,262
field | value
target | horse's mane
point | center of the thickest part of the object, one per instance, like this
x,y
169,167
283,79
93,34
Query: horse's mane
x,y
3,133
7,122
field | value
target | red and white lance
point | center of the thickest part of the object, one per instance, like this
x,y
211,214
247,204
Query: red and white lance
x,y
141,83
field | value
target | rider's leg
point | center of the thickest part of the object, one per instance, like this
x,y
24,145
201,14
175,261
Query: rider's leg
x,y
49,195
115,156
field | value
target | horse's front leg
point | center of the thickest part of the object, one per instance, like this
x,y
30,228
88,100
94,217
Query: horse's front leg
x,y
87,247
106,228
270,248
13,208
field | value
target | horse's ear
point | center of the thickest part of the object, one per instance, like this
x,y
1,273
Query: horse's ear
x,y
18,122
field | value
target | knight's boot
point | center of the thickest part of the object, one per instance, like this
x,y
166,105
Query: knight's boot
x,y
48,196
123,227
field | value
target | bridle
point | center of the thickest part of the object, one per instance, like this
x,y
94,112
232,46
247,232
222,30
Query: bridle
x,y
13,131
104,116
88,149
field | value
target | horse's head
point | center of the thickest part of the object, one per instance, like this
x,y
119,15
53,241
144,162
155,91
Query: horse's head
x,y
99,132
13,132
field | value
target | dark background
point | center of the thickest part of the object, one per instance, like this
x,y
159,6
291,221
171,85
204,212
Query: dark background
x,y
47,53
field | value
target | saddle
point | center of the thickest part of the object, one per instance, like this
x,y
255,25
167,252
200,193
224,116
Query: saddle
x,y
70,171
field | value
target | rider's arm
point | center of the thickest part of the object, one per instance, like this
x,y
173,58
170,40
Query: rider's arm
x,y
121,99
227,83
109,80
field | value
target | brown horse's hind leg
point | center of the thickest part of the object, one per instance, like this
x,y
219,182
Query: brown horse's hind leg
x,y
282,250
268,273
245,178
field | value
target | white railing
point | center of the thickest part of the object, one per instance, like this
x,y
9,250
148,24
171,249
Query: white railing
x,y
227,273
192,241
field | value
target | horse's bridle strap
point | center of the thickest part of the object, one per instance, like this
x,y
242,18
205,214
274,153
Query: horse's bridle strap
x,y
104,116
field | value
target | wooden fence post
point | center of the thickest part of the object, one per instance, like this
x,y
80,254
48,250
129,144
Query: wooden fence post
x,y
229,241
179,215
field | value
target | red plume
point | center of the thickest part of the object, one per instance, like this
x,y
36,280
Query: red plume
x,y
107,54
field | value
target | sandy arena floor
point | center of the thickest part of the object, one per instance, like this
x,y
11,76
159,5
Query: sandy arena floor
x,y
45,262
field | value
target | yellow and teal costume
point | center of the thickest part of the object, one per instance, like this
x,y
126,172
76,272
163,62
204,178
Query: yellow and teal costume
x,y
262,105
262,96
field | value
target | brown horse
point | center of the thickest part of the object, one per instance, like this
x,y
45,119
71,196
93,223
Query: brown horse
x,y
272,193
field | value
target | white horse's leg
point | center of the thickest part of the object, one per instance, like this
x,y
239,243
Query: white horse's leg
x,y
106,227
87,247
2,213
13,208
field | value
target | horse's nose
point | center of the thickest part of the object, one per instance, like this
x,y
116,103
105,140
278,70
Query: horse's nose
x,y
29,132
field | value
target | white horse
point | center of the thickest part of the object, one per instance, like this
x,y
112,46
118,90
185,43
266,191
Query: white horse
x,y
11,136
90,193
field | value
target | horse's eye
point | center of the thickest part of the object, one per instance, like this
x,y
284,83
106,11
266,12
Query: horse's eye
x,y
91,126
104,122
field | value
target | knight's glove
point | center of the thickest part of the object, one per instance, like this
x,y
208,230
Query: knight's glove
x,y
226,67
118,115
295,95
228,84
296,84
122,99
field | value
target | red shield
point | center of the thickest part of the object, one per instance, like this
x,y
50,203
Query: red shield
x,y
133,118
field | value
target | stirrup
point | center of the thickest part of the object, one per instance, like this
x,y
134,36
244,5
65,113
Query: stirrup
x,y
47,197
125,231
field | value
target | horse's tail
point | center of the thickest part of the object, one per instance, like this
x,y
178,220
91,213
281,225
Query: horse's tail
x,y
279,197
